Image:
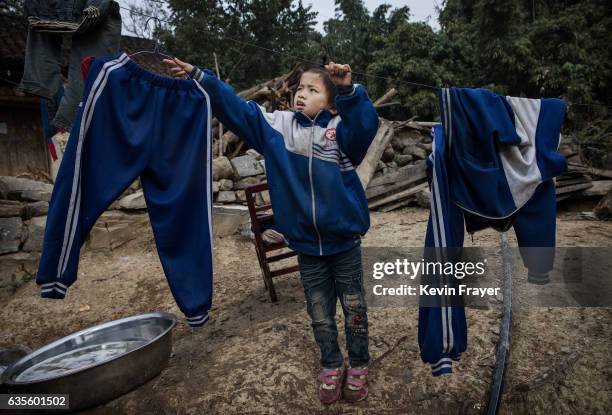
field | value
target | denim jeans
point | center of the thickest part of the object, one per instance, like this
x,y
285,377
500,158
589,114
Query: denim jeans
x,y
43,60
326,279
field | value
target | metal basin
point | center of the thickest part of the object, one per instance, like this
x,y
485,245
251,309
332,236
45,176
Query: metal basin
x,y
11,355
96,364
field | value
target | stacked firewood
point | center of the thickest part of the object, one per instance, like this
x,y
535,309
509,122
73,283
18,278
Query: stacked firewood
x,y
400,178
275,94
394,171
580,181
235,167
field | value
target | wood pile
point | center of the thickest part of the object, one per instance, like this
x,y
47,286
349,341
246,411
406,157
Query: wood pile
x,y
400,178
235,167
580,181
393,172
275,94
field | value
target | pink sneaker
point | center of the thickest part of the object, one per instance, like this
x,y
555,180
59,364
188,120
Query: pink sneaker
x,y
356,387
330,388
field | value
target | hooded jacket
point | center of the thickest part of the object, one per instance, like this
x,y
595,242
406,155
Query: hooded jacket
x,y
319,203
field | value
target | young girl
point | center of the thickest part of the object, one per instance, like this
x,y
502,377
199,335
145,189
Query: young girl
x,y
319,203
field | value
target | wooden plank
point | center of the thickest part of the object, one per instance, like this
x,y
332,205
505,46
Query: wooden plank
x,y
427,124
391,188
279,257
600,172
284,271
600,188
563,197
571,175
576,169
262,208
398,196
247,93
275,246
385,98
366,169
597,172
574,188
570,181
413,172
396,205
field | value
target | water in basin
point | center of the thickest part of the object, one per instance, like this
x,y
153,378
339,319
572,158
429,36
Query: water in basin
x,y
56,366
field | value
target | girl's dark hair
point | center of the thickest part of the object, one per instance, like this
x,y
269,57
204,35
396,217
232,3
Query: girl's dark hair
x,y
330,87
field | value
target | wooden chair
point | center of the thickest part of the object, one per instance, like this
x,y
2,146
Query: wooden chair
x,y
259,216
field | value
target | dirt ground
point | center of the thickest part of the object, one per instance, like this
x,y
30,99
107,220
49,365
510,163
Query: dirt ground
x,y
259,357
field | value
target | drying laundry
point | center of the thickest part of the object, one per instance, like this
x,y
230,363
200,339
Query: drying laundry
x,y
134,123
493,162
91,33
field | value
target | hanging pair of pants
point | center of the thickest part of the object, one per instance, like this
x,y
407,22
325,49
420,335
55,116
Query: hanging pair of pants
x,y
442,326
134,123
43,63
327,279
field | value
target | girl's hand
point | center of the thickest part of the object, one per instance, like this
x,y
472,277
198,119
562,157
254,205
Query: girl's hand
x,y
178,68
340,74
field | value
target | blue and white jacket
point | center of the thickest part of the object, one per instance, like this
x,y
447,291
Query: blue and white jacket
x,y
500,148
493,161
318,200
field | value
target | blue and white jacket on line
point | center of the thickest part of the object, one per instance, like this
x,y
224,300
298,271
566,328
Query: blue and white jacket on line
x,y
500,148
319,203
494,157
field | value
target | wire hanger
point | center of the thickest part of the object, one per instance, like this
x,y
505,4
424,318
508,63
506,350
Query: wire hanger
x,y
156,50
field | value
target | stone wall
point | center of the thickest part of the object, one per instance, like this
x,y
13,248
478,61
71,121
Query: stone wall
x,y
231,177
23,216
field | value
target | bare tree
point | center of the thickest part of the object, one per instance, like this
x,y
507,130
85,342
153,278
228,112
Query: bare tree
x,y
143,11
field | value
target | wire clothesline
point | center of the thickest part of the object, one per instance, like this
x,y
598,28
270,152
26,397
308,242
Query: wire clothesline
x,y
283,53
365,74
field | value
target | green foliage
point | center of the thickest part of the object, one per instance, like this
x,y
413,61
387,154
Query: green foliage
x,y
531,48
283,30
538,48
11,6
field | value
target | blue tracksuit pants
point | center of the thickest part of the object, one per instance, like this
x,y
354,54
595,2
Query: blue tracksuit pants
x,y
134,123
443,328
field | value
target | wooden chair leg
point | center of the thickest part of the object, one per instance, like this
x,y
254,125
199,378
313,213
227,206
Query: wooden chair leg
x,y
270,284
263,268
272,291
265,282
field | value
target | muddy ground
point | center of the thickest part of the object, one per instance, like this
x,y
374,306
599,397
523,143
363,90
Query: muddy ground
x,y
255,356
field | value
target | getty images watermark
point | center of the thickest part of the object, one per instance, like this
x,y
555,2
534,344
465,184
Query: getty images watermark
x,y
473,276
445,270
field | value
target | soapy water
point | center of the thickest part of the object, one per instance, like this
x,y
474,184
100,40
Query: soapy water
x,y
76,359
